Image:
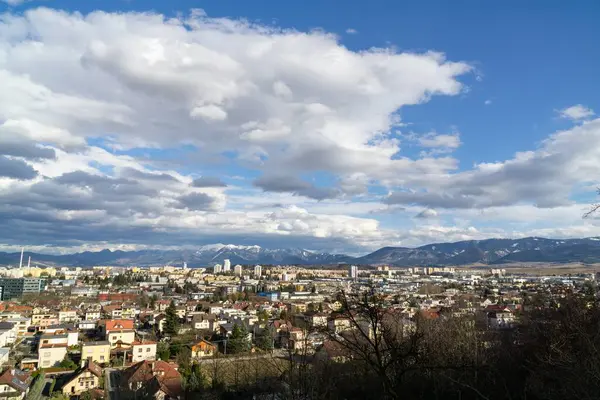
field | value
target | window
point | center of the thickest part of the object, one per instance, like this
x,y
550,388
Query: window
x,y
139,350
148,350
101,358
114,338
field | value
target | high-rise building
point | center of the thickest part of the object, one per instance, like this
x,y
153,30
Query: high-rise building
x,y
237,270
258,271
353,271
16,287
226,266
217,269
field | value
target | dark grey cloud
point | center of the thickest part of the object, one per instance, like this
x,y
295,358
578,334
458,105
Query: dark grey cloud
x,y
104,185
25,149
542,179
196,202
16,169
437,200
291,184
208,181
133,173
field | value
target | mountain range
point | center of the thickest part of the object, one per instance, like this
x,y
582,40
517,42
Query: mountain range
x,y
490,251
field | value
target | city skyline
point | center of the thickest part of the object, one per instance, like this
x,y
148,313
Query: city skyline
x,y
148,125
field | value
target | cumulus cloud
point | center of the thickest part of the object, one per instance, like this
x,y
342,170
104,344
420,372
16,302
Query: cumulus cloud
x,y
16,169
545,177
274,183
9,146
208,181
434,140
196,202
576,112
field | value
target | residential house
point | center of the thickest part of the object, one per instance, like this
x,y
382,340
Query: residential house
x,y
202,321
69,330
85,378
162,305
203,349
143,351
8,333
14,384
52,350
160,321
294,339
92,315
117,331
98,352
499,317
4,356
338,324
157,379
43,320
86,325
65,316
297,308
21,325
316,320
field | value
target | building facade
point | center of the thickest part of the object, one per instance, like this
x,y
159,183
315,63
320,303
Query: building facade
x,y
16,287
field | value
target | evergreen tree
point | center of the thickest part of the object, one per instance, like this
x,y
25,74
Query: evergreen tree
x,y
153,301
238,342
163,351
265,340
171,320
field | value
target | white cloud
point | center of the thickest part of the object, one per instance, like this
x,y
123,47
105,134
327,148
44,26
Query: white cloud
x,y
14,2
351,31
545,177
434,140
576,112
487,102
206,80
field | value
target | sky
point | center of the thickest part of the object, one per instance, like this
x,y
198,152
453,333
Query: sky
x,y
338,126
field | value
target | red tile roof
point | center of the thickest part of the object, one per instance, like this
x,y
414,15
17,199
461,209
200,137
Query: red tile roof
x,y
159,374
118,324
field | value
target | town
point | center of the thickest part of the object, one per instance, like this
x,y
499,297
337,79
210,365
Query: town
x,y
168,332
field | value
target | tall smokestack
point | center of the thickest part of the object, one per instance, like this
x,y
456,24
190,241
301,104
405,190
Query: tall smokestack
x,y
21,262
29,262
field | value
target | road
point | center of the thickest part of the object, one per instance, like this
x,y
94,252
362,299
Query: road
x,y
111,385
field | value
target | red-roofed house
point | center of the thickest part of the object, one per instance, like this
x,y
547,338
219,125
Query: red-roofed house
x,y
117,331
157,379
14,384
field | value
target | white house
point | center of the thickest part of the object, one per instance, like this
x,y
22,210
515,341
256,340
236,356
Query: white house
x,y
142,351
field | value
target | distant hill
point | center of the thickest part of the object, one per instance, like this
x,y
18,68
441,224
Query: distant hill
x,y
490,251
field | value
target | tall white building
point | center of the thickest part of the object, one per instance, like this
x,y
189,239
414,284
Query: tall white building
x,y
217,269
226,266
353,271
258,271
237,269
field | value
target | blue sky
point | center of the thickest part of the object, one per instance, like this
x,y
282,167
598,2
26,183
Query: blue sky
x,y
494,136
